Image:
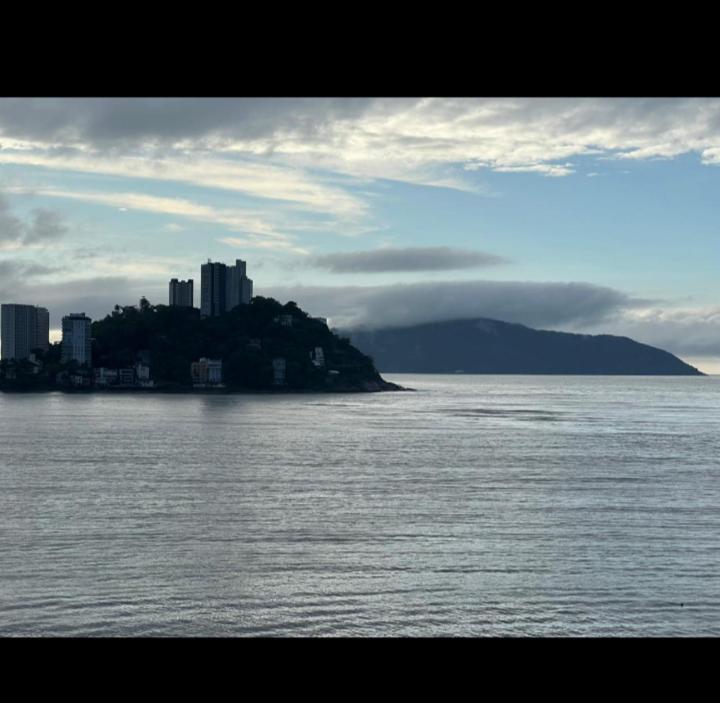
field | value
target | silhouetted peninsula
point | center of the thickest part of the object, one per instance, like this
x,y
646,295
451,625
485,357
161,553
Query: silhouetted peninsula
x,y
495,347
260,346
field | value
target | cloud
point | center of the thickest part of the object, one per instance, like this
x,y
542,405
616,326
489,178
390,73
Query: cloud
x,y
113,122
45,225
412,139
573,307
552,305
17,278
222,142
246,221
160,267
407,259
260,180
95,296
258,243
690,332
12,229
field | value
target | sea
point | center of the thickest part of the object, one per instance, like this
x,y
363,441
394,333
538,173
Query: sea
x,y
480,506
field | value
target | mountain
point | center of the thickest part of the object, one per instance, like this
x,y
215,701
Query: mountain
x,y
492,346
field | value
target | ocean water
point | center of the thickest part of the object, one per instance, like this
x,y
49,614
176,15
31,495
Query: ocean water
x,y
475,506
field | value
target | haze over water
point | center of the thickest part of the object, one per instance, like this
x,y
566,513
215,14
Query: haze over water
x,y
478,505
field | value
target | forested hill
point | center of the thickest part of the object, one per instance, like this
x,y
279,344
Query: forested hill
x,y
246,339
492,346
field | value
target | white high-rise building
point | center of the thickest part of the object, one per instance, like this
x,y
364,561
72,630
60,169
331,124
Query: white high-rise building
x,y
76,339
23,328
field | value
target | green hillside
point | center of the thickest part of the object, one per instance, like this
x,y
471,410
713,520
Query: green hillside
x,y
246,339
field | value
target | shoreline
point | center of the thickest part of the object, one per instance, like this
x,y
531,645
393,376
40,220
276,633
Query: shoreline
x,y
388,387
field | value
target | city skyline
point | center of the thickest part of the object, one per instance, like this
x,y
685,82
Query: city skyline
x,y
584,215
27,327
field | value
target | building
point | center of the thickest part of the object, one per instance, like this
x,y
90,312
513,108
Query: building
x,y
223,287
206,372
212,289
239,286
279,367
42,341
76,339
37,365
106,377
317,356
23,328
126,377
181,293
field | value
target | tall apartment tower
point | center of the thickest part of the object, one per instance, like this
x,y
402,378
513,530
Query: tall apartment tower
x,y
76,339
223,287
23,328
212,289
42,328
181,293
239,286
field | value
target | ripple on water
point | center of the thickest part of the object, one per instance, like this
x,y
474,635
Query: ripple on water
x,y
475,506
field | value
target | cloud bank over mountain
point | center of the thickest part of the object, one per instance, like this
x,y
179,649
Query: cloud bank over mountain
x,y
572,307
534,304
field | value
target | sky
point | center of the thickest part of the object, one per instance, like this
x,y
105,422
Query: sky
x,y
575,214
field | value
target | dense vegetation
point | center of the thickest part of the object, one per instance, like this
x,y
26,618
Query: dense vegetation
x,y
246,339
22,374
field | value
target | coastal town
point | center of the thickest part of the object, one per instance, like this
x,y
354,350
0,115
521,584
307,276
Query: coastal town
x,y
25,345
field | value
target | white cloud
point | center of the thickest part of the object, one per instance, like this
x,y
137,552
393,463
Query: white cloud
x,y
245,221
291,185
264,148
687,331
144,268
256,243
546,169
400,140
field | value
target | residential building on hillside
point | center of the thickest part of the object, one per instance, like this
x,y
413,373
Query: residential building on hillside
x,y
223,287
22,329
76,339
181,293
206,372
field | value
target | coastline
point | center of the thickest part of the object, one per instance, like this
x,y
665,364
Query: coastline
x,y
372,387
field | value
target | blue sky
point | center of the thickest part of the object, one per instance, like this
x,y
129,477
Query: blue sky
x,y
589,215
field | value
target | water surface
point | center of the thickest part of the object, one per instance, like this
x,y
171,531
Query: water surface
x,y
478,505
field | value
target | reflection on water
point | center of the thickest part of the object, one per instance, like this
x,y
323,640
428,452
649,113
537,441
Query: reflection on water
x,y
479,505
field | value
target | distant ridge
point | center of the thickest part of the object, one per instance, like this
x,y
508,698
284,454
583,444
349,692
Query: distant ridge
x,y
491,346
